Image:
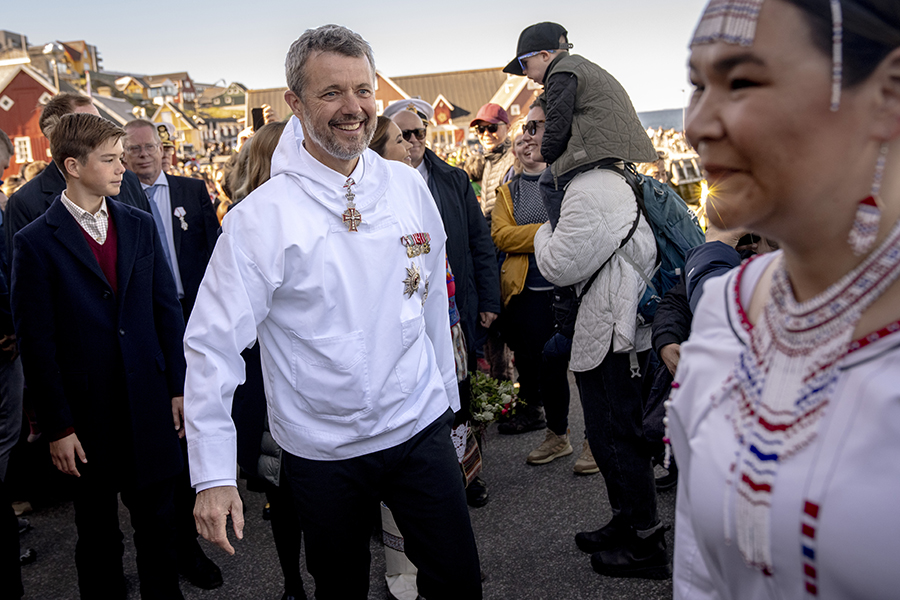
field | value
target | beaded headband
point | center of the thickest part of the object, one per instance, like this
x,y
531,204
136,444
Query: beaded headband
x,y
734,22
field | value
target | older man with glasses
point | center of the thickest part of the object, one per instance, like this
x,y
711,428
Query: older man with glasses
x,y
469,247
187,227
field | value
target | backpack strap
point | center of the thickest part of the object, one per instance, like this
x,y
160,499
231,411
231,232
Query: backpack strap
x,y
633,178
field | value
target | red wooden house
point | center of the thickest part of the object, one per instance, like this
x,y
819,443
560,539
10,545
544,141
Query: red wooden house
x,y
23,92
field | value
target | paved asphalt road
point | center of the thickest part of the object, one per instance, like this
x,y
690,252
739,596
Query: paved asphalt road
x,y
525,537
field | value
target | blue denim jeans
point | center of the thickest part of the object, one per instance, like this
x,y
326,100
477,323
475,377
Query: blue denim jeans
x,y
613,417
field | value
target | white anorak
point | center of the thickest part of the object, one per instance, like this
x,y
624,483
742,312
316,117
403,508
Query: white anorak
x,y
351,363
850,470
597,213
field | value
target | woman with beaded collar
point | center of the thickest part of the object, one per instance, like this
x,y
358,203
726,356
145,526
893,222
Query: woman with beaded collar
x,y
785,414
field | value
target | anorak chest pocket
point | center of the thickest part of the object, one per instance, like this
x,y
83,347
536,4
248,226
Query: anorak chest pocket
x,y
331,375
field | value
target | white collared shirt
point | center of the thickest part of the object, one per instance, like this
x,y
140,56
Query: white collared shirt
x,y
164,205
96,225
423,170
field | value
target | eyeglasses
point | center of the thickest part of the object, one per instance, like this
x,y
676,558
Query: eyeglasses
x,y
137,150
531,127
492,128
408,133
529,55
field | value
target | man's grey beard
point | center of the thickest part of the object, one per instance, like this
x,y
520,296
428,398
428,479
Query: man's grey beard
x,y
328,142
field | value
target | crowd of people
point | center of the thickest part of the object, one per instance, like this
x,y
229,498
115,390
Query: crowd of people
x,y
162,325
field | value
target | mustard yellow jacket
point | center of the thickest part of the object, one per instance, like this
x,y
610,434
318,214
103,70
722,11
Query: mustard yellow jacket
x,y
516,240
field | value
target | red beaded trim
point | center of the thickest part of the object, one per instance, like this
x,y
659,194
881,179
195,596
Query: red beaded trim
x,y
854,345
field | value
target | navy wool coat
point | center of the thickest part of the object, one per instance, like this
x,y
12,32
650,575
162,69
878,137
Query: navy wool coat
x,y
106,364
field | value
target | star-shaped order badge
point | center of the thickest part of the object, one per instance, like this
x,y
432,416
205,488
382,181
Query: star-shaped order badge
x,y
413,278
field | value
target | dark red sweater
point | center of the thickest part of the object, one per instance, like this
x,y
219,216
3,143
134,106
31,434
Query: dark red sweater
x,y
106,254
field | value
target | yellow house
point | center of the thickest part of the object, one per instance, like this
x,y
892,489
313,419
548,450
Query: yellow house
x,y
132,87
187,131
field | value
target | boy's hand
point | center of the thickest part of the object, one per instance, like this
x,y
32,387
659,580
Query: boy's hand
x,y
178,415
8,347
211,515
63,453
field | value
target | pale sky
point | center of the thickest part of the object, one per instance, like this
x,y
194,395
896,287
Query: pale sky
x,y
643,43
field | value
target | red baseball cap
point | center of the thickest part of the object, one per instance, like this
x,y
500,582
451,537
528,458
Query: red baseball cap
x,y
490,113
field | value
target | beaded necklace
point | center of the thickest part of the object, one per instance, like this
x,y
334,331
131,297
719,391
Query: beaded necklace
x,y
783,381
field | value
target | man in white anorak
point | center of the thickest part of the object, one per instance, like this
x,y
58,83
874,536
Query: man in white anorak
x,y
336,265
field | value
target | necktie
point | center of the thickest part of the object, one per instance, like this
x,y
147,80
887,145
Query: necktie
x,y
160,228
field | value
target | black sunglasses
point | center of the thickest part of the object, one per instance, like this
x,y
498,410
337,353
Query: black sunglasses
x,y
532,126
408,133
482,128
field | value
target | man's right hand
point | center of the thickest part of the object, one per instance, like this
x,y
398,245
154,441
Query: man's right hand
x,y
211,515
63,452
671,354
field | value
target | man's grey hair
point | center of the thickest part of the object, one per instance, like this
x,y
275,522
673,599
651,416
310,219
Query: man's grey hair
x,y
132,125
6,144
327,38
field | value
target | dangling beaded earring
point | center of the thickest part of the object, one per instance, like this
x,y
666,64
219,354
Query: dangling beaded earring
x,y
868,214
837,54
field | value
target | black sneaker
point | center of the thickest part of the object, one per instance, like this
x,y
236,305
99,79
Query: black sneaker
x,y
24,526
476,493
523,421
612,535
638,558
669,480
27,557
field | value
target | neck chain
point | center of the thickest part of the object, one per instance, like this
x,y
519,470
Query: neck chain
x,y
783,381
351,216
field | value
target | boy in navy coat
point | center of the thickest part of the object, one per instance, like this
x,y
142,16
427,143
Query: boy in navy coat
x,y
100,331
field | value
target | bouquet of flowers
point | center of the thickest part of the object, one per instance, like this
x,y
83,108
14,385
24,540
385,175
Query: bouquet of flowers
x,y
491,399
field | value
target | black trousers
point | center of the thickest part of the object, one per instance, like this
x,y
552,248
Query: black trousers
x,y
613,417
99,550
420,481
187,548
527,324
286,532
10,572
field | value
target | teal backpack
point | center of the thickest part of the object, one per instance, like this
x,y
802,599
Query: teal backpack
x,y
675,227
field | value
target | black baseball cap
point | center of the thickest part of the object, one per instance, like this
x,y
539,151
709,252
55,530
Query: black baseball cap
x,y
542,36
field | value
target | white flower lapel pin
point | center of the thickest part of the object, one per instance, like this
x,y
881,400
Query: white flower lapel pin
x,y
180,212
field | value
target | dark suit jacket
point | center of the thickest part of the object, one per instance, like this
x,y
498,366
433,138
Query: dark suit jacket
x,y
470,249
106,364
194,245
34,198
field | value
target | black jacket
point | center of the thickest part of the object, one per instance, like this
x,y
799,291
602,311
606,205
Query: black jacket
x,y
470,250
34,198
672,323
194,242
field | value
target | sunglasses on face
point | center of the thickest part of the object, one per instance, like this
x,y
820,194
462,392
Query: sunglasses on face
x,y
492,128
525,57
408,133
531,127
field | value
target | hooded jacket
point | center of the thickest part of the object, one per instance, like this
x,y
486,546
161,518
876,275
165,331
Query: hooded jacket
x,y
353,331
